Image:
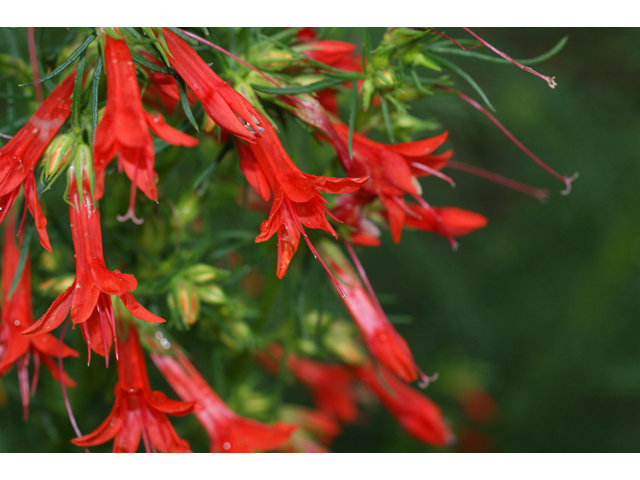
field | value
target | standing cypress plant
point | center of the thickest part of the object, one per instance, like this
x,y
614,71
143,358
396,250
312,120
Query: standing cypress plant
x,y
236,136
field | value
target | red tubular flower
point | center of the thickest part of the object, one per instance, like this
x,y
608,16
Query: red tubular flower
x,y
331,52
226,107
124,129
453,221
163,90
227,431
392,171
16,316
138,411
18,158
380,336
331,387
297,202
340,55
415,413
88,298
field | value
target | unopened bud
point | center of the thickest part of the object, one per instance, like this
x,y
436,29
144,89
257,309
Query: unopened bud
x,y
368,89
212,294
58,153
184,302
203,273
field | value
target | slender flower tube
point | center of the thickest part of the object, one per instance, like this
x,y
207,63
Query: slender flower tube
x,y
124,129
415,413
381,338
226,107
392,172
15,317
19,157
89,297
138,411
453,221
297,202
227,431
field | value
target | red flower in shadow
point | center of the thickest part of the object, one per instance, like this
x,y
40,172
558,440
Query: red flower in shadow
x,y
16,316
227,431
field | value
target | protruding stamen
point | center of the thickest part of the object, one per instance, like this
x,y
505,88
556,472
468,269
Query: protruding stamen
x,y
23,379
364,277
567,180
67,404
229,54
425,379
33,58
437,218
434,172
3,135
104,339
455,41
36,372
550,80
317,255
539,193
131,214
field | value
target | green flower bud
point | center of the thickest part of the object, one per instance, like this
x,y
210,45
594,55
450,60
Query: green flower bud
x,y
58,153
203,273
184,302
212,294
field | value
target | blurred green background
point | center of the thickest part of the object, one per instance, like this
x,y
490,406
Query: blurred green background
x,y
533,322
541,307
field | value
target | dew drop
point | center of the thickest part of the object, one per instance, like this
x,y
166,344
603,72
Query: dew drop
x,y
226,445
16,323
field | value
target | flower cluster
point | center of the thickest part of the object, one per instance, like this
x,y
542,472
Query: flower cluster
x,y
83,125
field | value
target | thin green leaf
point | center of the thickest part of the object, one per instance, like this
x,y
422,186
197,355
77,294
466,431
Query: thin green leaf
x,y
66,63
387,118
418,83
22,259
205,30
150,66
488,58
77,94
352,117
312,87
184,100
453,67
186,38
133,33
95,87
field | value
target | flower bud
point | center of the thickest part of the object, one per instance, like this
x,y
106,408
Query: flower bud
x,y
58,153
237,335
184,302
212,294
203,273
